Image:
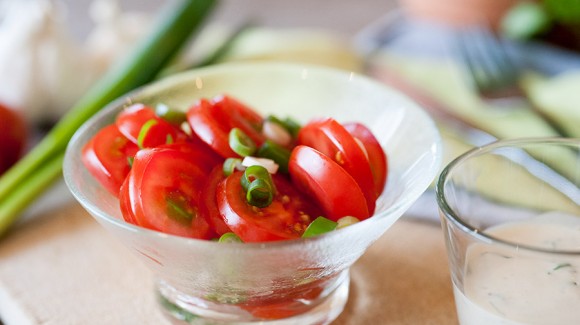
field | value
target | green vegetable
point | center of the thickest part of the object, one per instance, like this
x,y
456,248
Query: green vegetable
x,y
230,165
319,226
144,130
241,143
288,123
346,221
259,187
277,153
229,237
172,116
525,20
43,164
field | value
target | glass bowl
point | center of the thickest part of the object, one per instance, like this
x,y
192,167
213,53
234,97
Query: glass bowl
x,y
301,281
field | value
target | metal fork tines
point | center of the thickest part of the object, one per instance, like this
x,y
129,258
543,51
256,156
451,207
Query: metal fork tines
x,y
489,67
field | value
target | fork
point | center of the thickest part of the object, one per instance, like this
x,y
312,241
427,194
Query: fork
x,y
493,73
489,67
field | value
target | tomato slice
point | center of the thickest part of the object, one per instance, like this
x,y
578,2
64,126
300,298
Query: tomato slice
x,y
213,120
376,155
143,127
285,218
164,193
332,139
107,155
200,153
330,185
209,203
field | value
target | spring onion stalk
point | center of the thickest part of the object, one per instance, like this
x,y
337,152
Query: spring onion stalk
x,y
144,131
288,123
319,226
230,165
36,171
229,237
241,143
260,193
172,116
346,221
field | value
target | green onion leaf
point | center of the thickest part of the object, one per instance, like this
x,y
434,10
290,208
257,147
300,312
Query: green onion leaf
x,y
319,226
277,153
229,237
241,143
252,173
230,165
144,130
346,221
172,116
260,193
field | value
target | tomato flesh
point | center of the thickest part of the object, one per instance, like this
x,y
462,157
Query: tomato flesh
x,y
164,193
334,189
107,156
332,139
209,203
376,155
285,218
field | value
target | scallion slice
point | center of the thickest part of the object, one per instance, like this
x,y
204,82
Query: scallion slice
x,y
319,226
230,165
277,153
172,116
260,193
229,237
289,124
346,221
241,143
144,130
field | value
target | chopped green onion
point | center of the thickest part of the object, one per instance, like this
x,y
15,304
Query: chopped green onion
x,y
277,153
260,193
169,139
259,187
346,221
288,123
130,161
229,237
230,165
241,143
144,130
178,210
172,116
319,226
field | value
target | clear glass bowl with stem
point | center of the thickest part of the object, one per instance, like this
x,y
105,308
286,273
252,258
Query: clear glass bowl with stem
x,y
301,281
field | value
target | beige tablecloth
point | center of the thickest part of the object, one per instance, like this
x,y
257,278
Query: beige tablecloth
x,y
63,268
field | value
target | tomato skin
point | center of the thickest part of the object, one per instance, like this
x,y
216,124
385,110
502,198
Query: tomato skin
x,y
376,155
212,121
332,139
164,192
334,189
131,120
282,219
13,137
209,204
107,155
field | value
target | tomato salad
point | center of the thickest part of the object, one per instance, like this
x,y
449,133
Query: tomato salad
x,y
221,171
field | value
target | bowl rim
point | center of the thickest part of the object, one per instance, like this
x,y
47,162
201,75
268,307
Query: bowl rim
x,y
473,232
95,211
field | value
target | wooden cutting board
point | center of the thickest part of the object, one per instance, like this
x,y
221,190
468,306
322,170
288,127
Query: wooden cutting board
x,y
61,267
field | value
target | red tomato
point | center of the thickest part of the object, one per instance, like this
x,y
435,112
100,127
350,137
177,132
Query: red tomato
x,y
13,135
212,122
203,156
125,201
209,204
334,189
134,118
107,155
332,139
164,192
376,156
285,218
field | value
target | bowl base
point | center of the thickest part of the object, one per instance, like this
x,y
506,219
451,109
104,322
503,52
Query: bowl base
x,y
323,313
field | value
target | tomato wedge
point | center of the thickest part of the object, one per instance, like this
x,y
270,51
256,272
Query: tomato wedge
x,y
213,120
143,127
107,156
285,218
332,139
376,155
322,179
164,189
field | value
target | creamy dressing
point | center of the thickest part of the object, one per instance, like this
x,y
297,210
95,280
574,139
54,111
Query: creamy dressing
x,y
507,286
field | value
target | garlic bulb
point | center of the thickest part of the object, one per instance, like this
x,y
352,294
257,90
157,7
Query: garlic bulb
x,y
42,70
